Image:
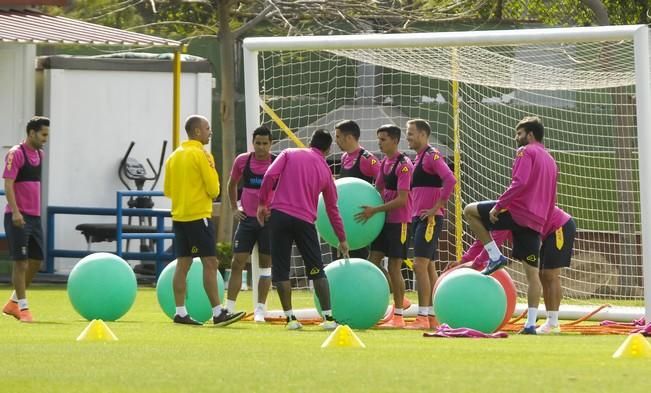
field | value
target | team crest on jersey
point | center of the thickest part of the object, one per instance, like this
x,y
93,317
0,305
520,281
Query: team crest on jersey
x,y
404,169
520,152
314,271
195,249
373,161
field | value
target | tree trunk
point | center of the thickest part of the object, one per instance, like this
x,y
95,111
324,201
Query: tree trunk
x,y
600,11
227,110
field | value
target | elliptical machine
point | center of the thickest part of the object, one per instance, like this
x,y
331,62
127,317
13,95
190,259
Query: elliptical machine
x,y
133,170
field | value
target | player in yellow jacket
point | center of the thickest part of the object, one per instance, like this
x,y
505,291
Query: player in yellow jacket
x,y
191,182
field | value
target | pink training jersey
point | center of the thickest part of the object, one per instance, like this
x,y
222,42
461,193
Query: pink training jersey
x,y
28,193
369,165
531,197
437,170
302,174
403,173
476,252
249,198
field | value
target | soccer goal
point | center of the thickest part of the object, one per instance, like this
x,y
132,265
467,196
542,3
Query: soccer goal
x,y
589,85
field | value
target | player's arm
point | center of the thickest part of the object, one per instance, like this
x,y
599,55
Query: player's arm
x,y
404,187
370,166
167,181
266,188
206,164
16,216
521,173
436,165
233,181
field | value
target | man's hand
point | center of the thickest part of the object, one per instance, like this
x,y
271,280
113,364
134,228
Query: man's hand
x,y
18,219
492,215
238,214
262,214
343,249
365,214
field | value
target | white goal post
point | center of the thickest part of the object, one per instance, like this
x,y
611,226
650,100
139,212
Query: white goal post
x,y
591,86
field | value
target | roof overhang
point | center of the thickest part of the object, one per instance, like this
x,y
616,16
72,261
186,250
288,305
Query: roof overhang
x,y
33,27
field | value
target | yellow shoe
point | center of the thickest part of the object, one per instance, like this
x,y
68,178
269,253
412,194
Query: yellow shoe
x,y
11,308
25,316
420,323
397,322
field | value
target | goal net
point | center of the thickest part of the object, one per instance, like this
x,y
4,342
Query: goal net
x,y
473,89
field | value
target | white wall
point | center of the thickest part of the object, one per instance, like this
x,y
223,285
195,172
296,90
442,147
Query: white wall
x,y
94,116
17,93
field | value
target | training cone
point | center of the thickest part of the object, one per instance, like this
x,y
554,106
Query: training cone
x,y
343,337
635,346
97,330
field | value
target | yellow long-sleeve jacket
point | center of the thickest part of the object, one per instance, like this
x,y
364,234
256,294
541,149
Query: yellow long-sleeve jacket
x,y
191,181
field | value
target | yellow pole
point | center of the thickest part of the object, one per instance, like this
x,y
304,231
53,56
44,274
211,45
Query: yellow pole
x,y
176,96
281,124
458,212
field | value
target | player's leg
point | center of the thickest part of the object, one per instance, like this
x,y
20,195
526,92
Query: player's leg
x,y
478,217
243,242
281,236
264,281
397,240
526,248
183,263
18,238
556,254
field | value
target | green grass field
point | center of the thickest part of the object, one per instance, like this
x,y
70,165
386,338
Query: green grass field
x,y
153,355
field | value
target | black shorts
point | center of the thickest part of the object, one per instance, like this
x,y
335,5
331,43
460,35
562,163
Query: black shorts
x,y
556,251
393,240
248,233
284,230
526,241
195,238
426,237
26,242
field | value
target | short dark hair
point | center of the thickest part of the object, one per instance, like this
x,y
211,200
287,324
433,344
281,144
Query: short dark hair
x,y
36,123
262,131
421,125
392,130
321,139
532,124
348,127
192,122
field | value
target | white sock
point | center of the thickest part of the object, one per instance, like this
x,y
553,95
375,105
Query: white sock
x,y
430,311
14,298
492,250
289,314
181,311
398,311
423,310
217,310
327,314
552,318
230,305
22,304
260,306
532,315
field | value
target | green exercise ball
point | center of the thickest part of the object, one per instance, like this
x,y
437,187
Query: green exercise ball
x,y
102,286
468,299
359,292
196,299
352,193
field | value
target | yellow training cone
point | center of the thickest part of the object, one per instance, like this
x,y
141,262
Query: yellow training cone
x,y
343,337
635,346
97,330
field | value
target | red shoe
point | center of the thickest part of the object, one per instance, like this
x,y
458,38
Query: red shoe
x,y
25,316
433,322
397,322
11,308
420,323
387,317
406,303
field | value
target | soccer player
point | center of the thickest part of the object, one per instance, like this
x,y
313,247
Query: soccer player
x,y
191,182
22,183
300,175
431,186
523,208
394,183
355,162
556,253
250,168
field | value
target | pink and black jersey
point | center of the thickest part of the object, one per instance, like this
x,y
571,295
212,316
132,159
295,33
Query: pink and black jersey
x,y
361,164
24,165
251,171
432,180
395,175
